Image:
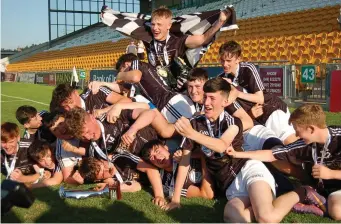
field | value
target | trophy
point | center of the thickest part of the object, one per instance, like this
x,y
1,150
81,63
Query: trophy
x,y
110,192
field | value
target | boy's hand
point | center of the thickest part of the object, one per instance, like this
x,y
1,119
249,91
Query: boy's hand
x,y
224,15
170,206
177,156
159,201
16,175
184,127
100,186
47,174
128,137
257,110
320,171
113,114
94,86
98,112
230,151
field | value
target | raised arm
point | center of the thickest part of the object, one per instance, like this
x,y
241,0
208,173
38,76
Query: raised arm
x,y
195,41
180,180
219,145
56,179
244,117
132,76
257,97
261,155
155,180
94,86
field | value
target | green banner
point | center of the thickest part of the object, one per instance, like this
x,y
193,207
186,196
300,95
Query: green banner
x,y
103,75
63,77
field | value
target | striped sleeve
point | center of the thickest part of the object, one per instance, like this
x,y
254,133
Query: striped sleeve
x,y
255,83
24,143
42,112
59,153
232,108
135,65
85,94
293,150
57,168
128,155
105,90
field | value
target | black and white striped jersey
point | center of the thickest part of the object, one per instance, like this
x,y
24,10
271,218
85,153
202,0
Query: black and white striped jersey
x,y
175,47
114,132
23,161
95,101
57,167
299,153
126,165
194,177
223,168
151,85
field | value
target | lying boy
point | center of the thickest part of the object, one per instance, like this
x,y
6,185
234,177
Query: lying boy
x,y
43,154
198,182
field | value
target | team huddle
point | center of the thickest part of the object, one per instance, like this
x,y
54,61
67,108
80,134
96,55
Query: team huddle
x,y
184,135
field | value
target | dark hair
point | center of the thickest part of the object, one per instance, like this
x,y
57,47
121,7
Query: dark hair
x,y
39,149
89,168
51,118
217,84
197,74
25,113
74,120
8,131
147,147
231,47
125,58
61,93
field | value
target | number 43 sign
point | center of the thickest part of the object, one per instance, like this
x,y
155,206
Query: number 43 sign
x,y
308,74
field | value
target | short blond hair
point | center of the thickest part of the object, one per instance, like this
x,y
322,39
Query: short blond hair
x,y
162,11
309,114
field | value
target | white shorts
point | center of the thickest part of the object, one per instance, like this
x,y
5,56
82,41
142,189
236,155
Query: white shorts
x,y
336,193
141,99
179,105
64,158
251,172
255,137
278,122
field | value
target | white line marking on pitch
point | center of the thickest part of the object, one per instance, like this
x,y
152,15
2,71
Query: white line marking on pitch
x,y
25,99
10,101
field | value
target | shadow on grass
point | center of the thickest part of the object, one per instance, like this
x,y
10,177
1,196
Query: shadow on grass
x,y
51,208
193,213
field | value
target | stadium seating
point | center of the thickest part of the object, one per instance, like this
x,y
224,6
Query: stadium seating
x,y
301,37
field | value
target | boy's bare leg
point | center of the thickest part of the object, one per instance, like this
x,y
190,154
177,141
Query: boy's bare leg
x,y
334,205
161,125
265,208
238,210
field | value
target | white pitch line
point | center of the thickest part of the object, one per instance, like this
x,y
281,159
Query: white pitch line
x,y
10,101
15,97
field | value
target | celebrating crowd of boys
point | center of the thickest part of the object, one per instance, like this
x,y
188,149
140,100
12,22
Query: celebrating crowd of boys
x,y
200,138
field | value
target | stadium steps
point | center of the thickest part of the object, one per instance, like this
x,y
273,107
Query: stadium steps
x,y
308,40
